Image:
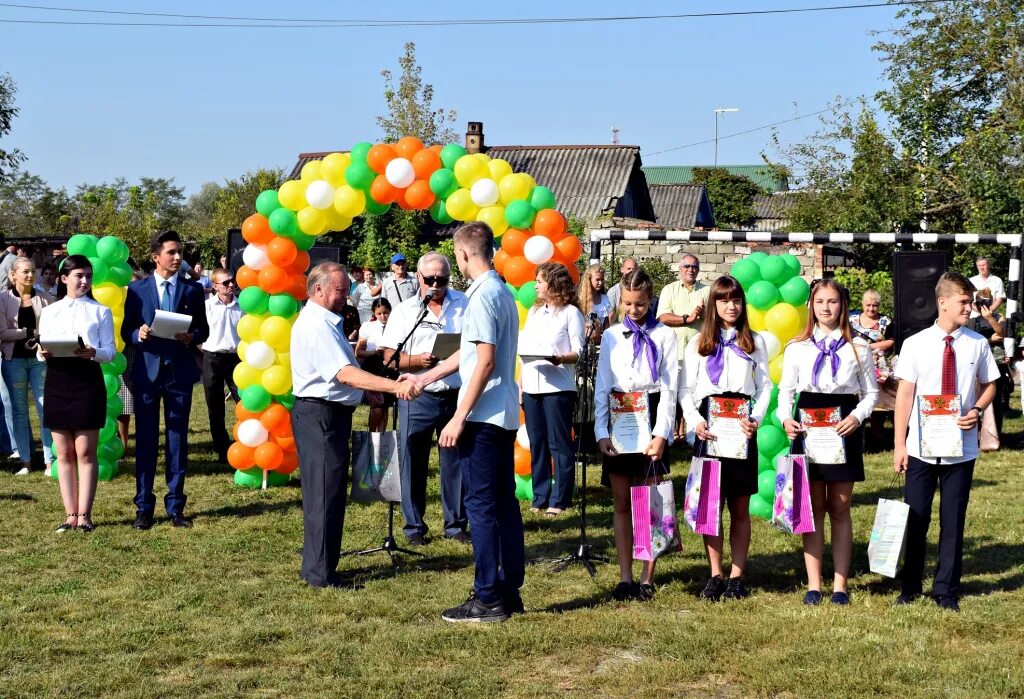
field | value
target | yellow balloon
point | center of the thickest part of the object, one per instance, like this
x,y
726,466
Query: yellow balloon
x,y
515,186
783,321
118,343
292,194
276,332
349,201
284,358
311,171
242,345
499,168
337,222
468,169
249,327
483,158
460,204
312,221
332,168
277,380
775,369
246,375
493,216
802,310
523,310
756,319
107,294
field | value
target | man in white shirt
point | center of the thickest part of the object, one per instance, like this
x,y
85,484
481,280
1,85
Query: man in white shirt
x,y
399,285
220,355
615,293
985,280
328,385
442,310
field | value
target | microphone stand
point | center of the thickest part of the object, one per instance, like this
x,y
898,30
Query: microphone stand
x,y
390,545
585,368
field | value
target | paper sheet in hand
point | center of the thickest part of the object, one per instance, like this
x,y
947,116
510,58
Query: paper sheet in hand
x,y
530,350
630,421
940,435
822,442
60,345
725,421
167,324
446,344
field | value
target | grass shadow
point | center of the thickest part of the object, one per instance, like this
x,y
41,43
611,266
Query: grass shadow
x,y
17,497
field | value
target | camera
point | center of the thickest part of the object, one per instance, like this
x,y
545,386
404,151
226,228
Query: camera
x,y
982,301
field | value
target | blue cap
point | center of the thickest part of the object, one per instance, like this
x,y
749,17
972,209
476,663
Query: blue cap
x,y
397,257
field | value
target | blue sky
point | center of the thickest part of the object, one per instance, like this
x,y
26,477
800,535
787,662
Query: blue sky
x,y
206,104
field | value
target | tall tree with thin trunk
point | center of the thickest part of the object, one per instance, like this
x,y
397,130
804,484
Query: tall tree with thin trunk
x,y
410,105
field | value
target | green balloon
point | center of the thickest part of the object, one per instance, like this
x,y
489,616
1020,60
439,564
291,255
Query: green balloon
x,y
774,270
524,488
746,272
542,198
304,242
764,463
773,401
527,295
115,406
515,291
359,151
255,398
792,262
100,270
769,440
795,291
253,478
112,384
115,366
119,274
774,419
766,484
112,449
757,257
450,154
254,300
762,295
375,209
283,221
760,508
109,429
108,249
443,183
82,244
267,202
287,400
520,213
439,213
359,175
106,470
282,305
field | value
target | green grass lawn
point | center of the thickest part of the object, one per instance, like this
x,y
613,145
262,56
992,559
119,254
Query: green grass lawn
x,y
218,610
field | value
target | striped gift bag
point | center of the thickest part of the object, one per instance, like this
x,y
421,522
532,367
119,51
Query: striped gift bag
x,y
655,527
701,503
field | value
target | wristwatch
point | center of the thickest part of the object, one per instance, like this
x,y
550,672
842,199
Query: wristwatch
x,y
981,412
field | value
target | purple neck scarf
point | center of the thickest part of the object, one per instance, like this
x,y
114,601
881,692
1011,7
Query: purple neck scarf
x,y
832,353
642,342
716,361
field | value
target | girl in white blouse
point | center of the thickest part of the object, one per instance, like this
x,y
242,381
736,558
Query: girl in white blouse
x,y
554,330
637,355
829,368
369,351
75,395
728,360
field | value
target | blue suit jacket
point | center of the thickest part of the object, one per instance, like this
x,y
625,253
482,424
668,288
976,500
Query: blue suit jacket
x,y
140,308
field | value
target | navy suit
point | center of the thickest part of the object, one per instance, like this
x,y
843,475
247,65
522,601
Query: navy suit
x,y
163,369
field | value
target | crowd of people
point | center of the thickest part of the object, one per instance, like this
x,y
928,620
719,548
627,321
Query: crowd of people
x,y
361,339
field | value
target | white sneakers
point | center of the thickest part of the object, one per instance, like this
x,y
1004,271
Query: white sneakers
x,y
23,472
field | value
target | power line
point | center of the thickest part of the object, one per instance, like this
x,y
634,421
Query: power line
x,y
291,23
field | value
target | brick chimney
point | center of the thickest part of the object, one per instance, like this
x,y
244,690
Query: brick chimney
x,y
475,137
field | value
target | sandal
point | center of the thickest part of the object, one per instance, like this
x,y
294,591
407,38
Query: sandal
x,y
554,511
623,591
535,510
86,527
67,526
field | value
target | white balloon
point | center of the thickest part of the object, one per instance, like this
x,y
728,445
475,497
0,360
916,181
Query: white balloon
x,y
400,173
252,433
484,192
523,437
255,256
320,194
260,355
771,343
538,249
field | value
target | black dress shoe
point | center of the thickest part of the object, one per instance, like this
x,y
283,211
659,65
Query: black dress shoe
x,y
181,521
905,599
416,540
475,611
143,521
461,537
947,602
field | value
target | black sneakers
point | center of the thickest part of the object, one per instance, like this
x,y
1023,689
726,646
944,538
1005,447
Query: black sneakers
x,y
475,611
736,589
713,589
947,602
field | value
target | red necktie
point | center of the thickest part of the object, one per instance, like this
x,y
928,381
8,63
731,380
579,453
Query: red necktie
x,y
948,367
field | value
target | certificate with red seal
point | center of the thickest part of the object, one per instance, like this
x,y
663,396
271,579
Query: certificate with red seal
x,y
822,443
630,417
725,422
941,436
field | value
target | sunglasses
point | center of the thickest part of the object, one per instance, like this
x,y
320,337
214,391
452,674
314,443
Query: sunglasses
x,y
689,266
440,280
227,282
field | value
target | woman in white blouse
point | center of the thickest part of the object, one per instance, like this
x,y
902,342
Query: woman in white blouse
x,y
75,395
550,344
371,356
829,368
593,299
637,355
727,360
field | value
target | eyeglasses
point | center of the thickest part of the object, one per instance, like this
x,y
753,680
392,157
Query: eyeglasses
x,y
440,280
689,266
227,282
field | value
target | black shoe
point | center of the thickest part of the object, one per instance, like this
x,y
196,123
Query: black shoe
x,y
623,591
461,537
736,589
475,611
947,602
514,605
713,589
840,598
181,521
88,527
905,599
416,540
812,598
644,592
143,521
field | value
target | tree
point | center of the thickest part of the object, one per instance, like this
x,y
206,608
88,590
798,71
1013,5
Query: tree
x,y
132,212
9,159
731,196
410,105
28,207
235,202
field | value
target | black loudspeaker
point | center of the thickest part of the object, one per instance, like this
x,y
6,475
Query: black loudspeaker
x,y
914,276
236,246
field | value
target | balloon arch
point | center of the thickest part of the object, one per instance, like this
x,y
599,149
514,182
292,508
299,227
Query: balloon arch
x,y
450,183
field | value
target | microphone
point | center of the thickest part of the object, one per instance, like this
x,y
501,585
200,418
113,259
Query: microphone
x,y
593,317
429,296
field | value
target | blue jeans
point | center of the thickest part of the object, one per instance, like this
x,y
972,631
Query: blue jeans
x,y
6,418
20,375
549,424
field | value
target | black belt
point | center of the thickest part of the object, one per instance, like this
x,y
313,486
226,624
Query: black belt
x,y
326,403
234,351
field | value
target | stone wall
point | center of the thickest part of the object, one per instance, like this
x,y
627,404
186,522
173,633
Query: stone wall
x,y
716,258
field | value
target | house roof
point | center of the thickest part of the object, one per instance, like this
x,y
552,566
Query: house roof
x,y
677,205
761,175
775,206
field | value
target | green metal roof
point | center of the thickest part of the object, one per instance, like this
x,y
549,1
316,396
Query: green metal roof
x,y
761,175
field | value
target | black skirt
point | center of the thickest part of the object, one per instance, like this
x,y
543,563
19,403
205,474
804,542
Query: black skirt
x,y
74,395
853,469
635,466
739,476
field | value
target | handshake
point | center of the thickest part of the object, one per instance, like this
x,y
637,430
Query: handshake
x,y
407,387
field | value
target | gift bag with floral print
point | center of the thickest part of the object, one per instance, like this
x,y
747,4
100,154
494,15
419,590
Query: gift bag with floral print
x,y
792,509
655,528
701,503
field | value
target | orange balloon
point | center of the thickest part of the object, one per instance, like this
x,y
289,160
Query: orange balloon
x,y
401,201
273,279
426,163
500,258
379,156
242,414
436,148
418,195
297,287
382,191
241,456
246,277
513,240
289,462
569,248
256,229
300,264
268,456
522,461
274,415
519,270
282,251
574,272
408,147
281,429
550,224
286,443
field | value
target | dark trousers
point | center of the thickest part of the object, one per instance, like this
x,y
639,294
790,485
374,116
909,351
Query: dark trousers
x,y
177,399
495,524
322,431
418,422
549,424
954,484
218,369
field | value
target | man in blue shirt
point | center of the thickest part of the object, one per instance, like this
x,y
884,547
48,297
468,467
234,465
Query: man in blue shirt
x,y
483,430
